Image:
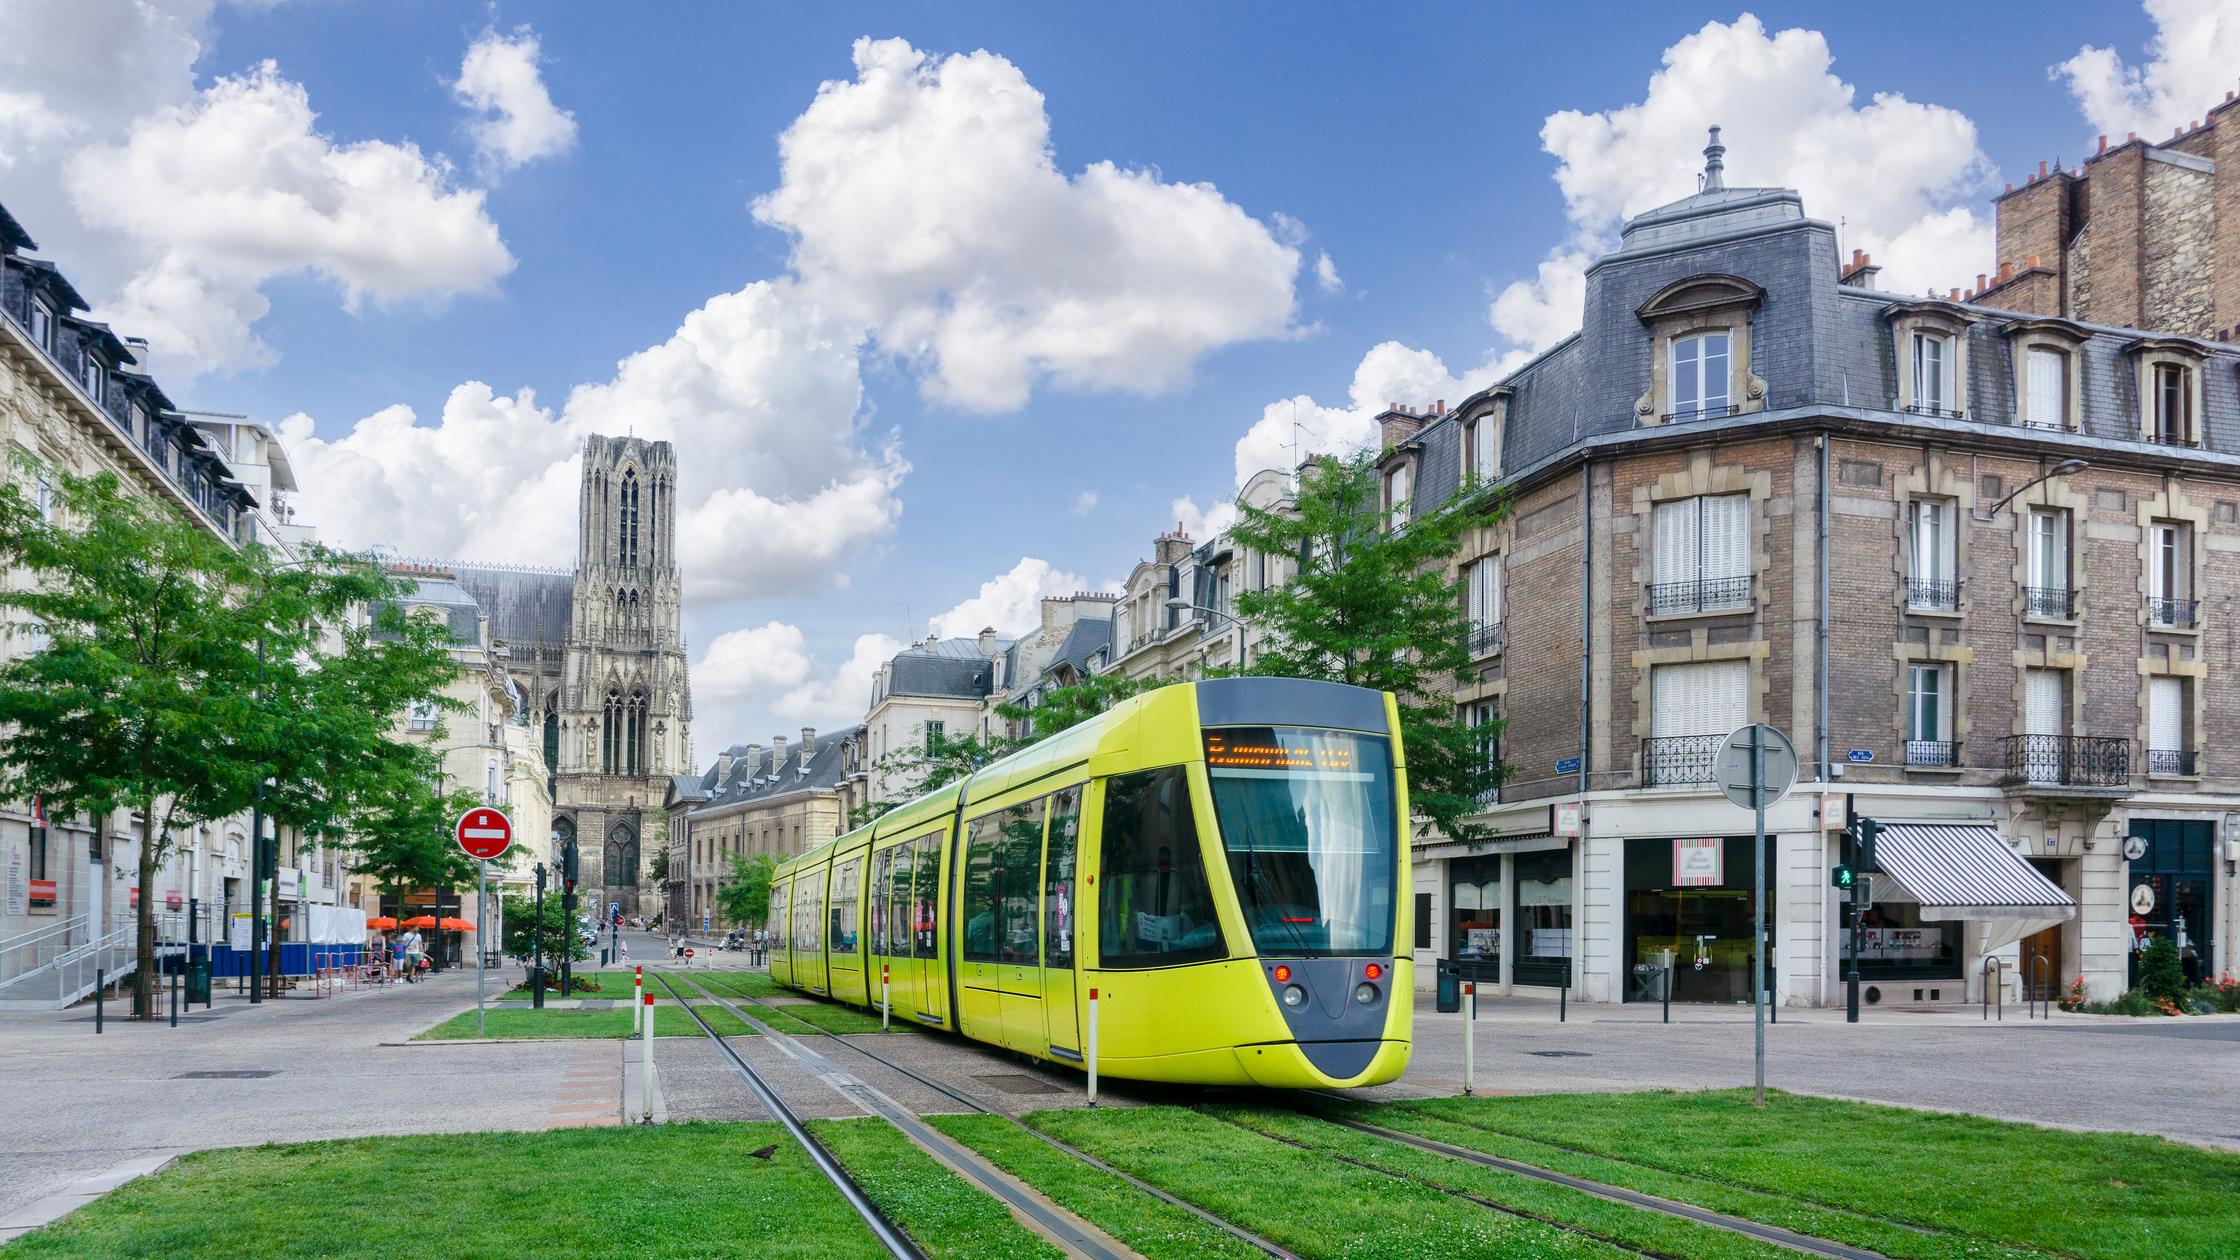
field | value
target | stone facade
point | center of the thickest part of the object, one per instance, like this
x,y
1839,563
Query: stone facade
x,y
782,801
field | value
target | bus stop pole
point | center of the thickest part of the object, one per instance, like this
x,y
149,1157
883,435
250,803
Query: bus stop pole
x,y
481,953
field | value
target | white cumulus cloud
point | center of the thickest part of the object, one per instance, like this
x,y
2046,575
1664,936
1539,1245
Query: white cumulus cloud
x,y
1326,275
839,699
926,205
1203,523
1010,602
238,186
1084,503
2193,59
516,121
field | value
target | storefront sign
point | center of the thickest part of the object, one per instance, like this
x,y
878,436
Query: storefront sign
x,y
2142,898
19,882
1565,818
1899,944
1699,863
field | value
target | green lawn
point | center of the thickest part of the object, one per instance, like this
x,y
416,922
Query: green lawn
x,y
1157,1229
1304,1201
950,1217
1806,1162
560,1194
669,1021
799,1019
741,983
613,986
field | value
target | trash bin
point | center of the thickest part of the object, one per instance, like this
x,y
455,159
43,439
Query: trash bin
x,y
1649,980
198,981
1450,987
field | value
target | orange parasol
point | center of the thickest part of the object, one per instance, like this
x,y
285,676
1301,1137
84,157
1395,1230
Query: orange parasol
x,y
448,924
381,921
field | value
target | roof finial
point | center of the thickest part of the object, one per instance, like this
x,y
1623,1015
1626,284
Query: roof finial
x,y
1714,165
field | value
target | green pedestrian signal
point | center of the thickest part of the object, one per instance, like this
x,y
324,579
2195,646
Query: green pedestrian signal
x,y
1844,878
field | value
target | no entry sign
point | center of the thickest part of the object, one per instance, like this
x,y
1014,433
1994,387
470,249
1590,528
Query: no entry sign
x,y
484,833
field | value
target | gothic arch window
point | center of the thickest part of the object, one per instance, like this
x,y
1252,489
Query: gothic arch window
x,y
629,518
622,855
636,624
624,747
551,741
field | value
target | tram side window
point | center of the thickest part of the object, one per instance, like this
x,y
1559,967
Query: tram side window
x,y
844,882
1022,874
876,920
1057,889
808,913
983,888
925,911
778,916
1154,908
898,900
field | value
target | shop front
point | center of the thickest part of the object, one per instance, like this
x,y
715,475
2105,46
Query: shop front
x,y
1688,900
2169,891
1475,900
1542,912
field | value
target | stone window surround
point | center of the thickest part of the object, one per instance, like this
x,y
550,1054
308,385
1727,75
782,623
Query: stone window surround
x,y
1700,477
1936,318
2173,507
2025,335
2149,353
2054,493
2071,662
1481,542
1490,420
1709,302
1699,649
1940,478
1962,659
2196,672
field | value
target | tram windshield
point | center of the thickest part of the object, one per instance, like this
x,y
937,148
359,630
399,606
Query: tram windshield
x,y
1307,821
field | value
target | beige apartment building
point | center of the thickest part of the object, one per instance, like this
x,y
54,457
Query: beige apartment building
x,y
781,800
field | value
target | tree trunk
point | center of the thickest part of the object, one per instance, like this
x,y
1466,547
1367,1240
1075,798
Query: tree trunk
x,y
144,920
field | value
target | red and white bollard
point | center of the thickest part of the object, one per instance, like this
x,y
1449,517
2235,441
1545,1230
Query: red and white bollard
x,y
638,982
645,1078
1469,1036
1092,1048
886,1005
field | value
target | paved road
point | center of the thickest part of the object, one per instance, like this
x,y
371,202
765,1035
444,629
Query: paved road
x,y
78,1105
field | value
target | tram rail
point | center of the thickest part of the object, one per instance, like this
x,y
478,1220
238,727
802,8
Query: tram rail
x,y
890,1236
1071,1232
966,1099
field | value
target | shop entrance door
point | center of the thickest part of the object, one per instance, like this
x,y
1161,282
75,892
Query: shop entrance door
x,y
2169,892
2043,981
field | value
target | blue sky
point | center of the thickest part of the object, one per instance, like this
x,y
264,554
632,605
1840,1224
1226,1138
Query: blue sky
x,y
885,389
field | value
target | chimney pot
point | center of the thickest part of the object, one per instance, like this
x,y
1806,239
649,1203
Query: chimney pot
x,y
2103,144
2033,260
2006,269
1979,282
2041,168
1954,297
808,743
2010,187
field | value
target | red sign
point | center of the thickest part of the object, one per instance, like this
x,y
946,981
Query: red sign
x,y
484,833
688,953
172,900
42,892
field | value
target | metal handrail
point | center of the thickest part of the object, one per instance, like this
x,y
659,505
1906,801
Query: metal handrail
x,y
2172,612
2040,965
1485,638
2071,760
1990,965
1695,595
1680,759
2056,602
1933,594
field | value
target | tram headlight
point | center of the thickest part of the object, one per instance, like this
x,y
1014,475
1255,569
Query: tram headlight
x,y
1294,996
1365,993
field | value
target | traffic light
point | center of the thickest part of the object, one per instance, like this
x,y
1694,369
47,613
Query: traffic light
x,y
1844,877
568,865
1869,832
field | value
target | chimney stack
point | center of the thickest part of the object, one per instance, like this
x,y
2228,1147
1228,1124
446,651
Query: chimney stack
x,y
808,743
777,752
753,760
987,641
723,766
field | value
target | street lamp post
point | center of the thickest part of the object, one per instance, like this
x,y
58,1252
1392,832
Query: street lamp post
x,y
1180,604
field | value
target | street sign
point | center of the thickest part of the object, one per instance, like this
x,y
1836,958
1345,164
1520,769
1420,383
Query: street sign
x,y
2142,899
688,955
2134,848
483,832
1737,766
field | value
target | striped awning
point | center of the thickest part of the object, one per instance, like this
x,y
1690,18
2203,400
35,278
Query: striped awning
x,y
1967,872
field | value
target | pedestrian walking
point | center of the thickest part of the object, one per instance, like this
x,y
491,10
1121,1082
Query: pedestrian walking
x,y
625,947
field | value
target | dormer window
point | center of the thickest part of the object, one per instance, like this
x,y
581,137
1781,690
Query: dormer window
x,y
1932,373
2169,372
2046,400
1484,436
2170,419
1699,375
1398,488
93,375
42,325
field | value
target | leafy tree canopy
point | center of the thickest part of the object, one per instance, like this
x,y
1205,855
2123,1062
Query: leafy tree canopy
x,y
744,897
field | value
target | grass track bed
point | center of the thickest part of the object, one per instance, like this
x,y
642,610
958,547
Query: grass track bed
x,y
1616,1222
1159,1230
948,1216
669,1021
1994,1184
557,1196
613,986
1314,1206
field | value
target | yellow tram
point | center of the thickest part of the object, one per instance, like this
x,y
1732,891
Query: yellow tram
x,y
1222,862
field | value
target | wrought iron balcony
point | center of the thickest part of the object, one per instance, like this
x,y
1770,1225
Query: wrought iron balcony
x,y
2181,761
1933,594
1680,759
2056,602
2091,761
1948,413
2174,612
1485,638
1699,595
1932,752
1685,414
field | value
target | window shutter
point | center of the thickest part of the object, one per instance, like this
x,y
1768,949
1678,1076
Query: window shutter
x,y
1728,700
2042,702
1492,567
1474,595
1726,536
1671,703
2048,390
2159,545
1675,555
1705,698
2166,710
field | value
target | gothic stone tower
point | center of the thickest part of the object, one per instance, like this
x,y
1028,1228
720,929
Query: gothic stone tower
x,y
625,705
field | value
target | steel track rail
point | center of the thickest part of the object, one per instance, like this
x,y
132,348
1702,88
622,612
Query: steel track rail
x,y
1046,1216
1230,1228
890,1236
1602,1190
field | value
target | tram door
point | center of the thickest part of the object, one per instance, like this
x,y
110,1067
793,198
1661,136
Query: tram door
x,y
925,913
1060,1006
843,933
978,930
1020,945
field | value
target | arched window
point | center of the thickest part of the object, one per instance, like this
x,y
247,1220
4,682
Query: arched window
x,y
551,741
625,739
629,536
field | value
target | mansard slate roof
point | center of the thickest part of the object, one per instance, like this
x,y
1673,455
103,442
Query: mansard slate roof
x,y
686,787
525,605
1083,639
946,668
1816,343
12,235
461,612
768,779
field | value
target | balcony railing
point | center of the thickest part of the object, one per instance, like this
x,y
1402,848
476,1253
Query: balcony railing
x,y
1932,752
1485,638
1680,759
1933,594
1948,413
2180,761
2069,760
1699,595
1685,414
2057,602
2173,612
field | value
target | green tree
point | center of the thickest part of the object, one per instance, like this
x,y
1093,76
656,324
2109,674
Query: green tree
x,y
659,868
1062,708
943,760
2161,976
521,924
1374,605
744,897
400,830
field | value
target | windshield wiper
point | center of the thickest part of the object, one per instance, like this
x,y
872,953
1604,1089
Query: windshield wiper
x,y
1258,879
